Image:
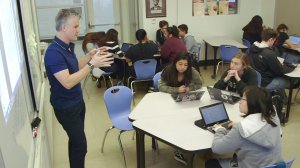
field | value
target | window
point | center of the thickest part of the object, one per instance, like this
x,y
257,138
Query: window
x,y
11,53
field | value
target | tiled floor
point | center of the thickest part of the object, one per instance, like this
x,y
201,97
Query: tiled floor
x,y
97,121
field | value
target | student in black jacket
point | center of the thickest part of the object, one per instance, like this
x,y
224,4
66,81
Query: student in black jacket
x,y
144,49
264,60
283,38
160,33
238,76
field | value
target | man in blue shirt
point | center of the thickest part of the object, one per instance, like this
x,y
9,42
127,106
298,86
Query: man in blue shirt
x,y
65,72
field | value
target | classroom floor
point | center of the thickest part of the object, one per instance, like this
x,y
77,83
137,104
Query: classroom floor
x,y
97,121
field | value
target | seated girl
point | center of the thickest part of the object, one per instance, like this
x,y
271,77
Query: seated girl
x,y
111,41
180,76
238,75
256,140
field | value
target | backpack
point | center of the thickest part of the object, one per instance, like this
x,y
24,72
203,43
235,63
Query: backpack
x,y
194,61
277,101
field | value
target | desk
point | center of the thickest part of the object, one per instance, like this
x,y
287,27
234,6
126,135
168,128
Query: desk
x,y
295,51
215,42
124,58
158,104
158,116
295,74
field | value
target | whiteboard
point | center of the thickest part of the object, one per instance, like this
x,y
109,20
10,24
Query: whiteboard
x,y
57,2
46,19
105,15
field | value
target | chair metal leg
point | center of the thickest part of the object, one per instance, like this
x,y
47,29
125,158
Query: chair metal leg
x,y
111,82
128,80
104,80
133,135
202,79
121,146
222,67
103,141
132,91
84,83
218,66
296,94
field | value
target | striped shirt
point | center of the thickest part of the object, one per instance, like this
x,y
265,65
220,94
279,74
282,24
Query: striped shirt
x,y
114,48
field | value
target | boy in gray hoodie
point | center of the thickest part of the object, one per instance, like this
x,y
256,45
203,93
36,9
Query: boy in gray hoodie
x,y
256,140
188,40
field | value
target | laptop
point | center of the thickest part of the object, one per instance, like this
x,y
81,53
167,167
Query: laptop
x,y
125,47
213,114
189,96
295,39
291,60
222,95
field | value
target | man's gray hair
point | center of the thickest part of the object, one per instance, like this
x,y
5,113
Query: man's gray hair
x,y
63,16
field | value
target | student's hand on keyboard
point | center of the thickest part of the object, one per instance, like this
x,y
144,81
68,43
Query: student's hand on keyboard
x,y
231,124
216,127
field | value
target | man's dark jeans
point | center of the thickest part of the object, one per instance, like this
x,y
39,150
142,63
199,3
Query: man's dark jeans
x,y
72,120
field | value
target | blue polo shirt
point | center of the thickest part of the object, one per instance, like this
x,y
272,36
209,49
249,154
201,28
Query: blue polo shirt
x,y
60,56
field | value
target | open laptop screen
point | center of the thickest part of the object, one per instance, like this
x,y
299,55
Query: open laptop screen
x,y
292,59
215,113
295,40
125,47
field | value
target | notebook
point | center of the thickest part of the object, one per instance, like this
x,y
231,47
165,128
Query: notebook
x,y
213,114
295,39
189,96
222,95
125,47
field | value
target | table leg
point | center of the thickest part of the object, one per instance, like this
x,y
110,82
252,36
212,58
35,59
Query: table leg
x,y
213,76
205,60
288,108
140,149
190,160
154,145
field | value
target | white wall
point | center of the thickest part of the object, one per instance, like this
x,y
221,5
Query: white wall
x,y
288,12
180,11
151,24
268,8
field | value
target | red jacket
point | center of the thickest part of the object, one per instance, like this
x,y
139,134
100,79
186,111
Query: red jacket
x,y
171,48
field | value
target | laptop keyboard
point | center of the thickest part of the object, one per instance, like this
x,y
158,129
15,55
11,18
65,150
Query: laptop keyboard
x,y
225,125
235,98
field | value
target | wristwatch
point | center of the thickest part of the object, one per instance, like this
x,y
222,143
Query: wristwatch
x,y
91,66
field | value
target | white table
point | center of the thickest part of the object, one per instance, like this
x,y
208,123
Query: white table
x,y
159,104
158,116
124,58
295,74
215,42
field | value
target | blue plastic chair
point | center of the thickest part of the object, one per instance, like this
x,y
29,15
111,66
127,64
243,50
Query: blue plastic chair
x,y
118,104
156,77
98,74
226,54
258,78
287,164
246,43
199,50
144,70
